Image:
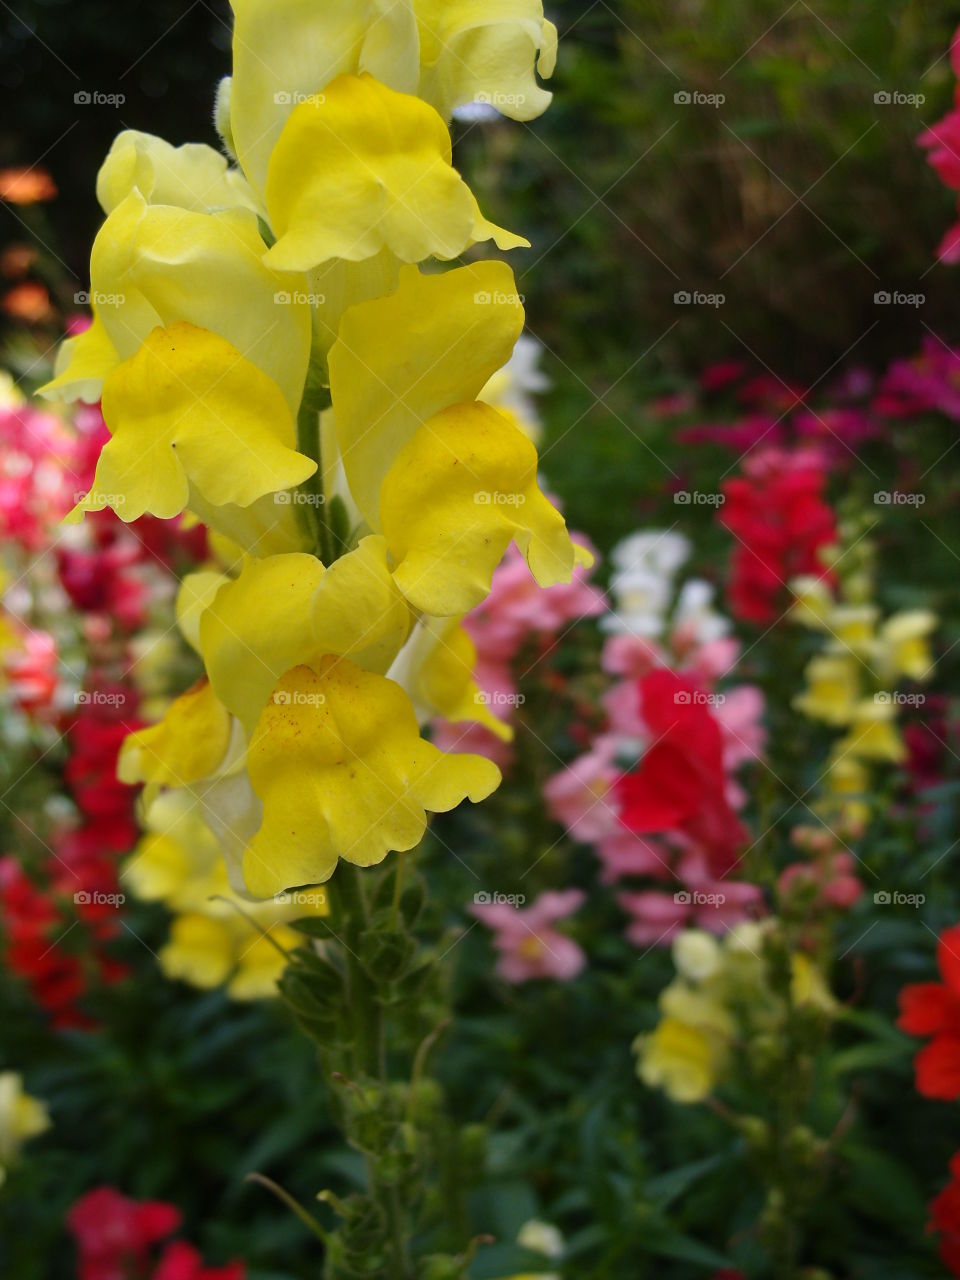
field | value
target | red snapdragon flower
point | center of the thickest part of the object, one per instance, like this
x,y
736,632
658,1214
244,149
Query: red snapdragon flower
x,y
933,1009
681,782
777,512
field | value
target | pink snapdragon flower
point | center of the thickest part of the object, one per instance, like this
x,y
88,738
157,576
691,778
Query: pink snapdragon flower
x,y
529,945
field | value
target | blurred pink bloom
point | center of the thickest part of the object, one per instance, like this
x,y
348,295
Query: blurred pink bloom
x,y
624,853
656,917
833,880
581,797
529,946
713,661
741,720
632,656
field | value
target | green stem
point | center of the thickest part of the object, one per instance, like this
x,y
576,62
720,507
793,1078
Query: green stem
x,y
308,443
365,1011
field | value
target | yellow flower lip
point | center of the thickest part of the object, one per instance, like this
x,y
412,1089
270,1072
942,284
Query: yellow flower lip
x,y
359,168
339,764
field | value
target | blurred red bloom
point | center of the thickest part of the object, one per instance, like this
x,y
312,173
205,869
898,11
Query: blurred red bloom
x,y
777,511
933,1009
681,782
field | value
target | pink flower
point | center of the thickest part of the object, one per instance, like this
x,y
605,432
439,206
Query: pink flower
x,y
624,853
581,798
656,917
529,945
632,656
741,721
831,881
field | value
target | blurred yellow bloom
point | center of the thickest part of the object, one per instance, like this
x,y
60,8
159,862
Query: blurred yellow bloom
x,y
681,1059
853,627
833,688
905,644
21,1118
341,769
813,599
873,733
808,985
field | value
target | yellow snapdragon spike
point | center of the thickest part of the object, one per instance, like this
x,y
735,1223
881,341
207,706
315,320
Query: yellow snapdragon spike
x,y
813,601
339,764
188,744
904,643
402,358
193,176
484,51
833,689
459,492
680,1059
360,168
189,409
285,50
200,951
436,671
288,610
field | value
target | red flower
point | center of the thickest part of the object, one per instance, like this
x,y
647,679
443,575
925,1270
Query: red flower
x,y
681,783
933,1009
115,1238
945,1218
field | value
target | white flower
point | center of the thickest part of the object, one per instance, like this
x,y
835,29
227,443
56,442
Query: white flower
x,y
696,954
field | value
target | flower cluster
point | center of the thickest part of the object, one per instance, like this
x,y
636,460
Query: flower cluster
x,y
852,683
656,793
722,997
271,358
119,1239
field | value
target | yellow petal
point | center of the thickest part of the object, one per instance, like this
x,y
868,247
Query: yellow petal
x,y
257,628
485,51
260,965
196,594
359,169
289,49
338,761
400,359
160,265
193,176
462,489
436,671
190,409
200,951
82,364
188,744
357,609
